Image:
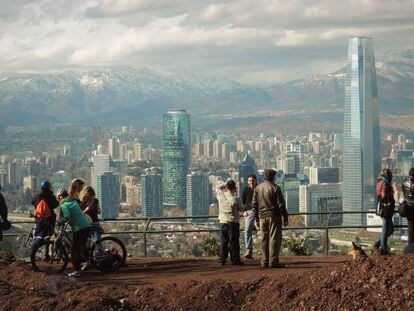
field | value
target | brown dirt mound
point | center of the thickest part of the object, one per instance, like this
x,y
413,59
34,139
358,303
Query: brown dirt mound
x,y
378,283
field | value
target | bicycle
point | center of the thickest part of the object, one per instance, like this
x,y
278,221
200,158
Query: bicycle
x,y
106,254
22,245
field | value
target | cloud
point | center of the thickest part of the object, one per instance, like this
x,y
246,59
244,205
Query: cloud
x,y
240,39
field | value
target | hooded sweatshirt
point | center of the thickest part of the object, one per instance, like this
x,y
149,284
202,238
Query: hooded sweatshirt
x,y
73,214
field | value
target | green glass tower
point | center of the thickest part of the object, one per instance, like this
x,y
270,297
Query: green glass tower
x,y
176,158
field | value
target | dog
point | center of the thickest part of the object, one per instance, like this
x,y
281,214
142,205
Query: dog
x,y
357,252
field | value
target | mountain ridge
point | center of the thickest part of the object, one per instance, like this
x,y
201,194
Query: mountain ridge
x,y
124,94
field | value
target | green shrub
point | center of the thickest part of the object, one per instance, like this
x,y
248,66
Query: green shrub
x,y
210,246
297,246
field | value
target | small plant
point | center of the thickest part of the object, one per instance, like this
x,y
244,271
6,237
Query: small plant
x,y
297,246
210,246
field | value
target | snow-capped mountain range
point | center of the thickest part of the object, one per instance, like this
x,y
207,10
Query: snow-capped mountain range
x,y
124,94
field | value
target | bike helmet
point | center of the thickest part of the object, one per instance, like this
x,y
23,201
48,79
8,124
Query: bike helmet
x,y
45,185
61,193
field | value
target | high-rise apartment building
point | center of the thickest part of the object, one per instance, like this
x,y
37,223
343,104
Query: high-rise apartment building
x,y
323,175
31,183
225,151
108,194
216,149
198,149
361,139
151,195
138,152
14,173
101,164
246,168
113,147
198,194
61,179
208,148
320,198
96,136
176,158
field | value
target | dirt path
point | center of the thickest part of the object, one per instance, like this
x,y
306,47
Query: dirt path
x,y
162,271
307,283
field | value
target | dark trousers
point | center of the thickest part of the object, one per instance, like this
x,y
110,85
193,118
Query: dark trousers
x,y
79,247
229,237
410,231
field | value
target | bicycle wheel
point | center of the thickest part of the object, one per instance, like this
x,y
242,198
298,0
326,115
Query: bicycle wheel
x,y
22,247
49,257
108,254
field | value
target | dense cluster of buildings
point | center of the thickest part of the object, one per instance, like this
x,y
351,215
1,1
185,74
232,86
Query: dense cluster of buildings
x,y
318,172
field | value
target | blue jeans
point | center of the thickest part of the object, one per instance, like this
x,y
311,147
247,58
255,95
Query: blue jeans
x,y
95,234
387,230
248,230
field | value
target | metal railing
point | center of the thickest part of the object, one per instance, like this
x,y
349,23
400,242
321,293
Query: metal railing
x,y
327,227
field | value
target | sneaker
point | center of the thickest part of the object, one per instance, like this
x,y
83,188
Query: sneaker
x,y
237,263
277,266
75,274
248,255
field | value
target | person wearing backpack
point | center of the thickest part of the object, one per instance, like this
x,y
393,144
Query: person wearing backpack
x,y
4,222
45,204
385,196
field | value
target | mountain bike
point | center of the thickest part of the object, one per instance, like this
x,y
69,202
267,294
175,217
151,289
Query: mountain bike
x,y
22,245
106,254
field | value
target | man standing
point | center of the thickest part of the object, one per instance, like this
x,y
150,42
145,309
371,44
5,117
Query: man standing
x,y
229,208
269,206
4,223
248,214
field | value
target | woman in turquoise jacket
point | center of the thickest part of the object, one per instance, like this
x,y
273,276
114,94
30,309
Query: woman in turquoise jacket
x,y
80,224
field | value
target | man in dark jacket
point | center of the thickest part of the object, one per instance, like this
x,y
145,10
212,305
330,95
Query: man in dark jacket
x,y
248,214
269,207
4,223
46,198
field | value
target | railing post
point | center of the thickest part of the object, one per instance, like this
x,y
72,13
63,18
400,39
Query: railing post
x,y
145,236
327,233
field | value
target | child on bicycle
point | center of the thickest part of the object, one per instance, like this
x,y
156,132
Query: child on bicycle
x,y
81,228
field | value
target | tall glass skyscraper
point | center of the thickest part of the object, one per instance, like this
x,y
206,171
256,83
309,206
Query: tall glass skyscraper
x,y
176,158
361,139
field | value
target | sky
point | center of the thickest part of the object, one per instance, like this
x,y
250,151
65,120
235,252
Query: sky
x,y
252,41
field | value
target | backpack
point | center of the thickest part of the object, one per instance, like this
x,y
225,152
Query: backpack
x,y
43,210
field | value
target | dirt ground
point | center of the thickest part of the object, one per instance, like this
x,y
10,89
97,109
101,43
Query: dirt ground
x,y
306,283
